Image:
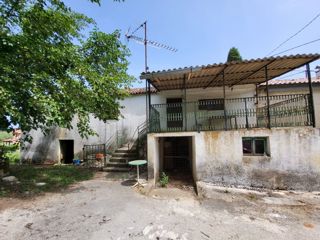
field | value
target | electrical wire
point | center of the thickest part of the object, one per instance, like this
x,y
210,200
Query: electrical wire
x,y
304,44
292,36
295,74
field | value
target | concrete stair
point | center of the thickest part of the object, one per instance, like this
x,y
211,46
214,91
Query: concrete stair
x,y
119,160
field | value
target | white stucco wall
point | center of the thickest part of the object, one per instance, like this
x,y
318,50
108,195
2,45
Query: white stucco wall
x,y
47,147
294,161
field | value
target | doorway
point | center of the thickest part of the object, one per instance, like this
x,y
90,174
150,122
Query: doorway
x,y
66,151
174,114
176,160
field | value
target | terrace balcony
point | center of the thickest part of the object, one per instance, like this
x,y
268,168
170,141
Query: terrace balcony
x,y
232,113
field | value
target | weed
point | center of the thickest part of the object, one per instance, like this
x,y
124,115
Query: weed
x,y
164,180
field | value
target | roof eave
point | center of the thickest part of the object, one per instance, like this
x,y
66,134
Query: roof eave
x,y
165,73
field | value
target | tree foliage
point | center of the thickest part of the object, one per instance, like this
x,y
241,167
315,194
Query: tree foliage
x,y
50,72
234,55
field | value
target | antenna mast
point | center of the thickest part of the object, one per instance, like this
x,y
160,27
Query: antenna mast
x,y
147,42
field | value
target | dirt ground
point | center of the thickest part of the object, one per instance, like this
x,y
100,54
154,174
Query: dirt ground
x,y
103,209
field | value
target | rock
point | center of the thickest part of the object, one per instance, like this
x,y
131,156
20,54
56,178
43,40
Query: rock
x,y
10,179
28,225
39,184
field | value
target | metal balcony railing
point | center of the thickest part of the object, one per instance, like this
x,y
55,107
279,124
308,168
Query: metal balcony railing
x,y
229,114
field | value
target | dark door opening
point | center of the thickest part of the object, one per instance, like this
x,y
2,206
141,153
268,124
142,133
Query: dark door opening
x,y
174,114
176,160
66,151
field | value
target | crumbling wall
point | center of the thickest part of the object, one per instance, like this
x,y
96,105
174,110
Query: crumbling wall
x,y
294,161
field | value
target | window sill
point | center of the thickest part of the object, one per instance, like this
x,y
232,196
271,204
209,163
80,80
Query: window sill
x,y
247,159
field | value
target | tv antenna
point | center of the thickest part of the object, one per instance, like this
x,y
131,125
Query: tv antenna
x,y
146,42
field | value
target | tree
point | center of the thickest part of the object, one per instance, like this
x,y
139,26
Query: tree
x,y
234,55
50,72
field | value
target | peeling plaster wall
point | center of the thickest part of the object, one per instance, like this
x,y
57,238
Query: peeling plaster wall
x,y
294,161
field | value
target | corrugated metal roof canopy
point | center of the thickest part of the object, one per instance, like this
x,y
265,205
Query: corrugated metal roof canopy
x,y
235,73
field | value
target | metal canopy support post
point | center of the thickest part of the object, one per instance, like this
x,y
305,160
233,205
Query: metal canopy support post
x,y
268,100
185,102
311,103
147,112
149,100
257,102
224,102
246,112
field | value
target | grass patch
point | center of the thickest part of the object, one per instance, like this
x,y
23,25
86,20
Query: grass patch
x,y
11,152
5,135
56,178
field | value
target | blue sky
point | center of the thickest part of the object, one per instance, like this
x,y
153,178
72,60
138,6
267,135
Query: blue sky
x,y
203,31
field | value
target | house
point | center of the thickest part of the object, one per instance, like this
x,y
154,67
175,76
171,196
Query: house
x,y
227,123
62,145
230,124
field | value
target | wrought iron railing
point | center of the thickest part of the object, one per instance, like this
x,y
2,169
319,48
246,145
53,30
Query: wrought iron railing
x,y
235,113
94,155
137,135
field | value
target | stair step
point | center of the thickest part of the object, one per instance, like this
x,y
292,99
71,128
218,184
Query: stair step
x,y
122,159
112,160
122,154
116,169
126,150
117,164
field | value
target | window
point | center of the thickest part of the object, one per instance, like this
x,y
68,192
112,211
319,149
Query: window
x,y
255,146
211,104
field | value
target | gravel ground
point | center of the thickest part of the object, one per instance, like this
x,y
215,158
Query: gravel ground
x,y
102,209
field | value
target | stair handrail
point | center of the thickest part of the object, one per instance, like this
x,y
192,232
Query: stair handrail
x,y
140,127
110,140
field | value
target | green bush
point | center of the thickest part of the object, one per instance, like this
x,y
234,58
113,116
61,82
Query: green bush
x,y
164,180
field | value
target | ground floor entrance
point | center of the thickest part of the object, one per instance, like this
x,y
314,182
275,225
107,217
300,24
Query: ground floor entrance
x,y
176,159
66,151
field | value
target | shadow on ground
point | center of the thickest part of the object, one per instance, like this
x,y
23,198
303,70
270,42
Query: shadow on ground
x,y
128,183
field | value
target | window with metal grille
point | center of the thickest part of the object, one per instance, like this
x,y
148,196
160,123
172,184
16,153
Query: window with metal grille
x,y
255,146
211,104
